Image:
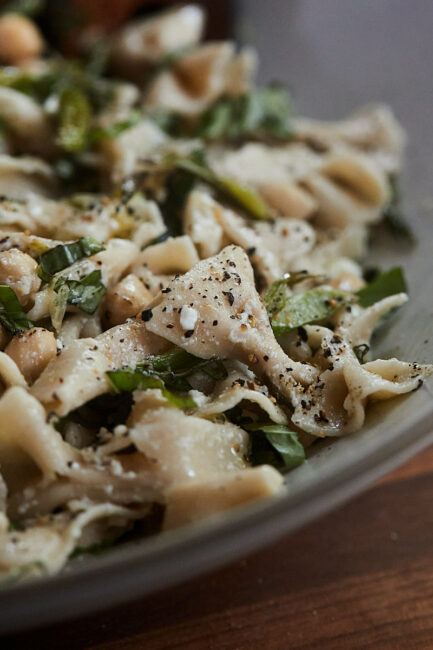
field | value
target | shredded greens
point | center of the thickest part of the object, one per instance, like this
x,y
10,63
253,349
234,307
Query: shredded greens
x,y
97,134
289,312
171,370
73,119
129,379
262,114
12,316
85,294
385,284
63,255
275,444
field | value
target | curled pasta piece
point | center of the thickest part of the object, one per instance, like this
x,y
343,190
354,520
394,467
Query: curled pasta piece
x,y
78,373
231,321
45,547
196,500
240,385
373,129
200,77
185,447
25,176
351,188
27,121
335,404
144,42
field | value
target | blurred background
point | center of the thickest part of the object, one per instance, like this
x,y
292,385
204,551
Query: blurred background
x,y
335,56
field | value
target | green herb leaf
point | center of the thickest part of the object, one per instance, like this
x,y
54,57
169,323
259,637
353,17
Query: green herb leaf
x,y
289,312
263,113
96,135
175,365
384,285
64,255
74,117
129,379
12,316
85,294
179,184
281,440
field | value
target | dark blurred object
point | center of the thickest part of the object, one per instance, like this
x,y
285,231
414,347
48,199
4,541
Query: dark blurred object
x,y
67,23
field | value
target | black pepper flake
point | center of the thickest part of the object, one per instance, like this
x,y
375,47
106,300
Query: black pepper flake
x,y
251,250
215,323
265,357
188,333
167,290
169,326
230,297
327,352
146,315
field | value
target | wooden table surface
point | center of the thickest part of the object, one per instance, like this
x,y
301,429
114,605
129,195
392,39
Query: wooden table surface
x,y
360,577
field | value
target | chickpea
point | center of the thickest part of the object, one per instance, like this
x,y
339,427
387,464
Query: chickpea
x,y
19,271
32,350
347,282
125,300
20,39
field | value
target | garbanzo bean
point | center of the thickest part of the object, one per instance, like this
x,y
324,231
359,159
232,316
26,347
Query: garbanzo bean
x,y
19,271
32,350
124,300
20,39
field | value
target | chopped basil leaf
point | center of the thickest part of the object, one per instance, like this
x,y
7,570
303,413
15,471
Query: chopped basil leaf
x,y
385,284
74,117
275,297
129,379
171,370
12,316
179,185
63,255
263,113
361,351
85,294
393,215
96,135
289,312
283,445
177,364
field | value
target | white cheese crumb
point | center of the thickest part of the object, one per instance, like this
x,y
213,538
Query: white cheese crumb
x,y
188,317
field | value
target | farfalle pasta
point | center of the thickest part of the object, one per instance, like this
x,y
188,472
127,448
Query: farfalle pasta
x,y
183,309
